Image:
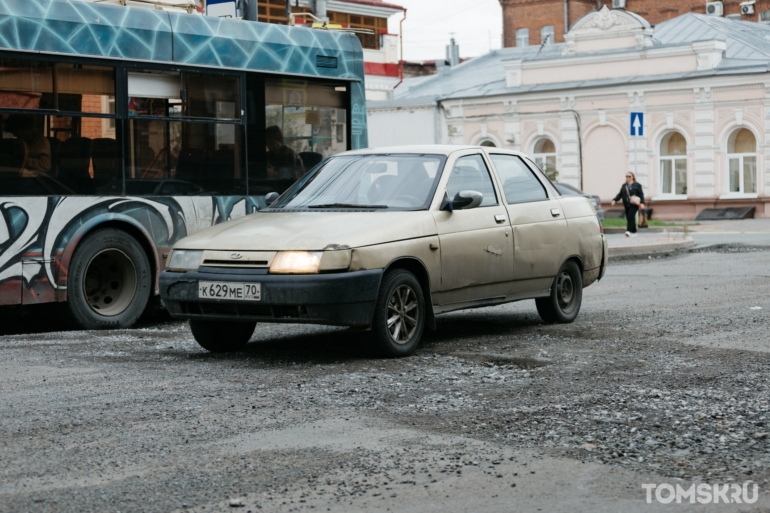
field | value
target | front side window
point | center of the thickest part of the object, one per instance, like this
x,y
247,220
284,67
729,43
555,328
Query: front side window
x,y
471,174
673,164
742,162
60,137
519,183
400,182
522,37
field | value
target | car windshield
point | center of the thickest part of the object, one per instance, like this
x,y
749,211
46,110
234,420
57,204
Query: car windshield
x,y
399,182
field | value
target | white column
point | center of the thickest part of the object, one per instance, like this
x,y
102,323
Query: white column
x,y
705,180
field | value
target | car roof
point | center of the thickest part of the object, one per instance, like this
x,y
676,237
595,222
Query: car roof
x,y
422,149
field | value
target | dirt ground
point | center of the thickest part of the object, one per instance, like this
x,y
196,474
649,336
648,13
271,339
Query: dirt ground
x,y
663,378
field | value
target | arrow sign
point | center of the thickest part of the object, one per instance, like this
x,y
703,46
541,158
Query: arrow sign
x,y
637,124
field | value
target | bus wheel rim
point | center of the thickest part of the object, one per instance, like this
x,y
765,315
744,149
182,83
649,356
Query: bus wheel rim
x,y
109,282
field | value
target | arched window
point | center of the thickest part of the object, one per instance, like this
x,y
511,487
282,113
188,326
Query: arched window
x,y
487,143
742,162
545,157
673,164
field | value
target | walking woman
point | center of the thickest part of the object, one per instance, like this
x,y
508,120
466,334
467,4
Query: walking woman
x,y
633,199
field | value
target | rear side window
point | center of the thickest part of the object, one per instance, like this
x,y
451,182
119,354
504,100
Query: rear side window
x,y
471,174
519,182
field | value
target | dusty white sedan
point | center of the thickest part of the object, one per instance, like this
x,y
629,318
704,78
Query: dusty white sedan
x,y
385,240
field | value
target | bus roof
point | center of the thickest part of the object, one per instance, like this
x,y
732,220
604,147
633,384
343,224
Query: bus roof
x,y
88,29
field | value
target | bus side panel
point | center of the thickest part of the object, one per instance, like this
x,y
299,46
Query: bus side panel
x,y
38,235
10,292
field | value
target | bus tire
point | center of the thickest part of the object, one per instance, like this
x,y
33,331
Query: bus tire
x,y
109,280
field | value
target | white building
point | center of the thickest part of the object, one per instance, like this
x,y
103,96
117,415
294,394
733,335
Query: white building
x,y
702,84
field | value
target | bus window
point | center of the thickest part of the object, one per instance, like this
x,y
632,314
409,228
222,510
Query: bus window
x,y
305,123
66,87
173,149
154,93
71,153
186,158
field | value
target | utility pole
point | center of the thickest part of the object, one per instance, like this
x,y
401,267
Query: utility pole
x,y
288,12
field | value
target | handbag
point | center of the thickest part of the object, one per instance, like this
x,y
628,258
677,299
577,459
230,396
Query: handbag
x,y
633,198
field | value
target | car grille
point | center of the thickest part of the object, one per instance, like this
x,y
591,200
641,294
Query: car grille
x,y
235,263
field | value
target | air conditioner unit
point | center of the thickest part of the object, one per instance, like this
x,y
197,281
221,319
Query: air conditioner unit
x,y
618,4
715,8
747,8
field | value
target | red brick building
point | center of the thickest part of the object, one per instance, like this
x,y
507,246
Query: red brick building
x,y
530,21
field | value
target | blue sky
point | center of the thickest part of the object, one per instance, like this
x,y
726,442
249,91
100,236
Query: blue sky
x,y
476,25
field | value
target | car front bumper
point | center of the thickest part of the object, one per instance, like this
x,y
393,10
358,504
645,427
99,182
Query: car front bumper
x,y
337,299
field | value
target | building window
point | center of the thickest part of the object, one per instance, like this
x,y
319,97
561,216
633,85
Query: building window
x,y
488,143
378,25
742,162
547,35
673,164
545,157
522,37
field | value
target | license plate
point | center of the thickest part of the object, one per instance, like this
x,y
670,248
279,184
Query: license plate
x,y
232,290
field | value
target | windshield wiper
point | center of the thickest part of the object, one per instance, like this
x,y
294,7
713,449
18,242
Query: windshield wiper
x,y
346,205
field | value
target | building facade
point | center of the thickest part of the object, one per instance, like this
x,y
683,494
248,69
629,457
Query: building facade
x,y
700,83
529,22
381,50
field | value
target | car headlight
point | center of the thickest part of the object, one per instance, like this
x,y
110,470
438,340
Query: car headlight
x,y
296,262
185,260
310,262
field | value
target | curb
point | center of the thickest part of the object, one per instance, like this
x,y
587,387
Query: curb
x,y
652,248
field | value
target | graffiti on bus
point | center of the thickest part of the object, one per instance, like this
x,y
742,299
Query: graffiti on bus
x,y
36,233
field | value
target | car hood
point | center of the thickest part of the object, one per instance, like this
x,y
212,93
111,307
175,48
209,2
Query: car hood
x,y
311,231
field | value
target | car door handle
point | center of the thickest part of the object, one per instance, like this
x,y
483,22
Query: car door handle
x,y
499,218
555,212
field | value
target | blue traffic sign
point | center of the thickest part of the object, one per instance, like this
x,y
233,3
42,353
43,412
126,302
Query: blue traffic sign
x,y
637,124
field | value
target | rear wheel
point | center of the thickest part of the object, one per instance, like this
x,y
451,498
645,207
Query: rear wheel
x,y
399,315
563,305
222,336
109,280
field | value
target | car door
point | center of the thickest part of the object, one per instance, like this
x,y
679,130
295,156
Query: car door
x,y
476,245
538,224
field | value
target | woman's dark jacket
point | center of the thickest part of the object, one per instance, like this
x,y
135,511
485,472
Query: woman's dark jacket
x,y
636,190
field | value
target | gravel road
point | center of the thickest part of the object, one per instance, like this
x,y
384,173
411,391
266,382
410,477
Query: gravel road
x,y
662,379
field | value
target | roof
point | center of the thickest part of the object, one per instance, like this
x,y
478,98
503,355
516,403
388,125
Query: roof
x,y
748,51
138,34
376,3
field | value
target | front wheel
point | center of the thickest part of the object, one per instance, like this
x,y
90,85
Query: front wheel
x,y
399,314
222,336
563,304
109,280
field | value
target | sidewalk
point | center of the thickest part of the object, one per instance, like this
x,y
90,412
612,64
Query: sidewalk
x,y
751,232
643,244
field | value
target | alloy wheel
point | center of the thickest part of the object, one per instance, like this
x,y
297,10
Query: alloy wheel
x,y
403,314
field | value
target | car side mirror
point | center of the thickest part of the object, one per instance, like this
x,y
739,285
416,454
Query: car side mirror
x,y
463,200
270,198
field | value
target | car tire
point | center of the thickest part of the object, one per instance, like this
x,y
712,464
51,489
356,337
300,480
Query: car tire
x,y
396,333
222,336
109,280
563,305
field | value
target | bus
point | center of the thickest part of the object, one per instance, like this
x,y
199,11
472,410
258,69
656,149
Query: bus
x,y
125,129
